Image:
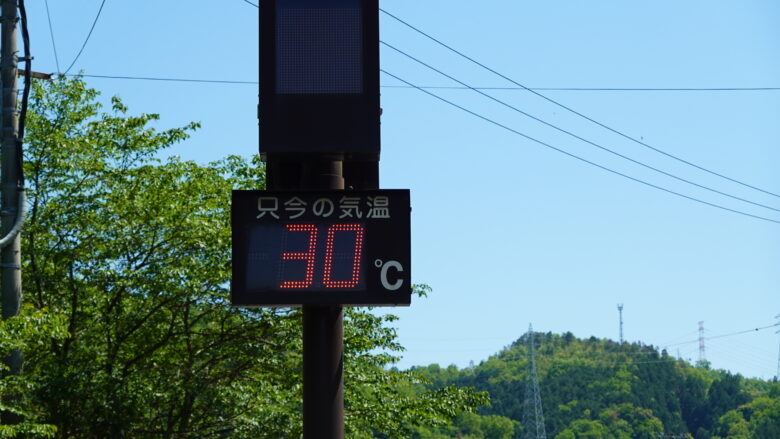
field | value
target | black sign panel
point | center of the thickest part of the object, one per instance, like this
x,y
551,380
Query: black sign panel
x,y
319,77
321,248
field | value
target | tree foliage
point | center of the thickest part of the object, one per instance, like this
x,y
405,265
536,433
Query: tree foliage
x,y
128,331
31,329
596,388
131,254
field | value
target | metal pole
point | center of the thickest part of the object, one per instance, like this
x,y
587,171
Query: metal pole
x,y
323,372
10,257
323,326
323,336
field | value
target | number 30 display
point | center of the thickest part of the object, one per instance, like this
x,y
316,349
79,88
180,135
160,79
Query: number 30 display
x,y
310,256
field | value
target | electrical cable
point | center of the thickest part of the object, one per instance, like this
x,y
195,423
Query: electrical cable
x,y
577,88
638,89
150,78
499,101
741,356
626,136
512,130
18,223
714,337
25,91
51,33
726,335
603,148
88,36
686,335
427,87
741,349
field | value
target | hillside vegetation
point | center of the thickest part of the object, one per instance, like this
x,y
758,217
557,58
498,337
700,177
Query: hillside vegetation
x,y
596,388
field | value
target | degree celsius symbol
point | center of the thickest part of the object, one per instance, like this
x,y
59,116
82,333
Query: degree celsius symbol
x,y
386,266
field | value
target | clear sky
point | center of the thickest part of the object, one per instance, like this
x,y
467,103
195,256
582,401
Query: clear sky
x,y
506,231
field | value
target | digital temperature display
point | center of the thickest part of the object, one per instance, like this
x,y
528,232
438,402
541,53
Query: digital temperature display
x,y
321,247
299,256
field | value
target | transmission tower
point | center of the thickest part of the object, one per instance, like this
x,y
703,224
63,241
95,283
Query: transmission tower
x,y
620,310
777,375
702,357
533,417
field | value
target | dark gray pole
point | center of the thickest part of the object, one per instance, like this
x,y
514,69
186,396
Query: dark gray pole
x,y
323,336
10,258
323,372
323,326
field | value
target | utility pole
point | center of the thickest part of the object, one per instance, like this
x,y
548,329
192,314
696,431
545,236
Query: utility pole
x,y
620,311
10,257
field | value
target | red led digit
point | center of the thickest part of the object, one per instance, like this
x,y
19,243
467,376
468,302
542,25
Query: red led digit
x,y
307,256
356,251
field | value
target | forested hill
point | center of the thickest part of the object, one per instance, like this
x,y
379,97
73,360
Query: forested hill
x,y
596,388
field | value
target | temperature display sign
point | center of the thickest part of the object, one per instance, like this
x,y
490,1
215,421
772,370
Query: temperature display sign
x,y
321,248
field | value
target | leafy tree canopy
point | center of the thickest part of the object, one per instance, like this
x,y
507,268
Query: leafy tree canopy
x,y
129,255
597,388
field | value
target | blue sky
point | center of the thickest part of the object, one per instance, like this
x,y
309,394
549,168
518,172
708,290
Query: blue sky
x,y
506,231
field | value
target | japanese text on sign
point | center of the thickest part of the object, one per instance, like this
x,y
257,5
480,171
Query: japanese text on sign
x,y
357,207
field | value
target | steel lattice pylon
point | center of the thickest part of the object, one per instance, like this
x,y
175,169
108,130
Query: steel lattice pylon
x,y
777,376
533,416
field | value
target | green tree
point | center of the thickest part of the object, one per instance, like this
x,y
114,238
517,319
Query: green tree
x,y
497,427
132,252
31,329
625,421
635,390
585,429
759,419
765,416
732,426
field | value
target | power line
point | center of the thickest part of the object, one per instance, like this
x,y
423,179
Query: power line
x,y
626,136
569,133
512,130
737,349
427,87
523,87
686,335
726,335
153,78
617,89
51,33
88,36
576,88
